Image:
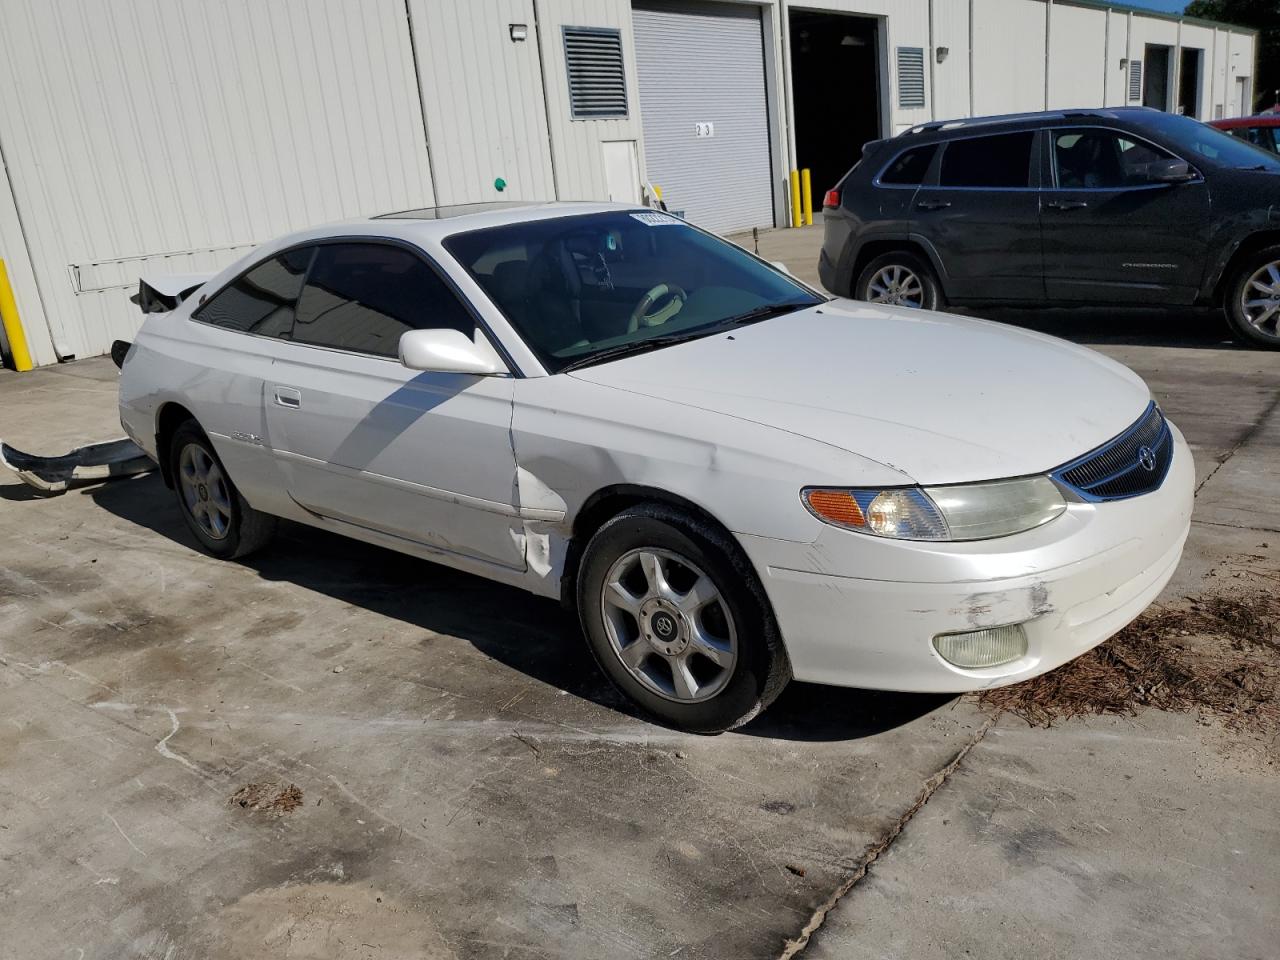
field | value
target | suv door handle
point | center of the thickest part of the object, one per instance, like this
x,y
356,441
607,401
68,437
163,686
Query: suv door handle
x,y
1065,204
933,204
288,397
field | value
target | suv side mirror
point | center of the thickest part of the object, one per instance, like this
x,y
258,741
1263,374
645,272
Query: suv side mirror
x,y
1169,171
449,351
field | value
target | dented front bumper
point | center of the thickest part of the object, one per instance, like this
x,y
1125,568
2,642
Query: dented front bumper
x,y
860,611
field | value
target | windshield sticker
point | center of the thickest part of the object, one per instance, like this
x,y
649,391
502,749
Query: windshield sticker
x,y
657,219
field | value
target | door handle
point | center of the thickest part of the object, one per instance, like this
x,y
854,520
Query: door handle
x,y
288,397
1065,204
933,204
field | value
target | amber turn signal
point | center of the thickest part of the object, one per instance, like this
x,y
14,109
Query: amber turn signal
x,y
836,506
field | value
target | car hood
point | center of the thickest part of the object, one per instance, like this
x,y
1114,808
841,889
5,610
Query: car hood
x,y
939,398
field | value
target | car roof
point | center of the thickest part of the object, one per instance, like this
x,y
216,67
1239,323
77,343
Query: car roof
x,y
1016,122
436,223
1261,120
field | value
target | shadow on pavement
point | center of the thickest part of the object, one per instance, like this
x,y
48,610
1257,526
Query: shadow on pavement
x,y
524,632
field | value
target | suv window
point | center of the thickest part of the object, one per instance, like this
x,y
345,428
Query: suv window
x,y
1103,159
999,161
910,167
362,296
262,300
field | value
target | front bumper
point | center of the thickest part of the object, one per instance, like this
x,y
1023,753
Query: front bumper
x,y
861,611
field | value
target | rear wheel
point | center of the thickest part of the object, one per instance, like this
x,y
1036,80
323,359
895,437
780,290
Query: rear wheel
x,y
215,512
676,618
1253,299
898,278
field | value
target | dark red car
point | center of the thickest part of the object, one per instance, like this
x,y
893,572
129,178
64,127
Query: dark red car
x,y
1260,130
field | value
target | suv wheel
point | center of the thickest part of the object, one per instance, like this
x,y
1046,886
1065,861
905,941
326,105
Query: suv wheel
x,y
215,512
675,616
898,278
1253,299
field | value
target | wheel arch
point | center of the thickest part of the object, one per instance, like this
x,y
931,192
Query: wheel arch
x,y
878,247
168,418
1247,247
605,504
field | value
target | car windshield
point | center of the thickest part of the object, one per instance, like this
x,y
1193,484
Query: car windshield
x,y
1221,148
587,288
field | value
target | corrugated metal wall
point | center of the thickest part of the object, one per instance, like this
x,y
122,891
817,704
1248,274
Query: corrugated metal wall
x,y
482,94
170,134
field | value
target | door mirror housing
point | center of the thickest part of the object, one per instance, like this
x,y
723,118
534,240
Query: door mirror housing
x,y
449,351
781,267
1170,171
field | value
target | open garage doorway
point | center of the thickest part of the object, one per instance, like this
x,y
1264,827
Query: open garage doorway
x,y
835,91
1189,82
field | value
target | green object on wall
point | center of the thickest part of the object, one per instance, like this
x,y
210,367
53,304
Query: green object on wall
x,y
499,184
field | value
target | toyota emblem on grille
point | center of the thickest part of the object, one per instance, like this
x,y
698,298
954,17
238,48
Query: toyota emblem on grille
x,y
1147,458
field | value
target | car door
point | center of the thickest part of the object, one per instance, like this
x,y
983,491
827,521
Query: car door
x,y
230,356
1113,234
362,439
979,211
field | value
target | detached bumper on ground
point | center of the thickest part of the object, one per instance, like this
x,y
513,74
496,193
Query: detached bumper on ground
x,y
860,611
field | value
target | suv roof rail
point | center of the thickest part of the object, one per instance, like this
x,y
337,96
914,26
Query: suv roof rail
x,y
961,123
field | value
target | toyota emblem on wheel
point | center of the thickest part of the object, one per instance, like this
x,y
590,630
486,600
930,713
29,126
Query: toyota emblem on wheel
x,y
1147,458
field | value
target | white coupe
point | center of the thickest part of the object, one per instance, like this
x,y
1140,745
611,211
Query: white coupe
x,y
734,480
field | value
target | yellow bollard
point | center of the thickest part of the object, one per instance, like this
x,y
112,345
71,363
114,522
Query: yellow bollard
x,y
795,199
806,196
12,324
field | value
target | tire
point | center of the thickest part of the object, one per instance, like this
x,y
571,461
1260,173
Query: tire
x,y
217,515
1260,323
707,659
888,279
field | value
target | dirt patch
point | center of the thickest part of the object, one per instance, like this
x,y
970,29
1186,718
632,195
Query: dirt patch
x,y
1218,656
275,798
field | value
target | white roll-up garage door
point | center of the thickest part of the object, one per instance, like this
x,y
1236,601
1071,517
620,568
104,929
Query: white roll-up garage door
x,y
705,111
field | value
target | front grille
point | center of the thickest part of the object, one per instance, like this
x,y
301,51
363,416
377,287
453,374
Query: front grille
x,y
1134,463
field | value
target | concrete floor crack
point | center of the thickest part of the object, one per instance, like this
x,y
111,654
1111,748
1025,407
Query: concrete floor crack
x,y
888,838
1248,435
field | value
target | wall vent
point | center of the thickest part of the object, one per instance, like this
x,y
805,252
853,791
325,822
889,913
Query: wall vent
x,y
1135,79
910,77
597,85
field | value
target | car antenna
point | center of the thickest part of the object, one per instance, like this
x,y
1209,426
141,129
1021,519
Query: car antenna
x,y
755,236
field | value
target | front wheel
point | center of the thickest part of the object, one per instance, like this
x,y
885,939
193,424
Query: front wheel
x,y
677,619
215,512
1253,299
898,278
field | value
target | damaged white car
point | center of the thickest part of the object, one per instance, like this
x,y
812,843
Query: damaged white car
x,y
734,480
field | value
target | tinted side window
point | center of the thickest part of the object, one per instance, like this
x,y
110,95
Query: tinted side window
x,y
910,167
362,296
1102,159
262,301
1000,161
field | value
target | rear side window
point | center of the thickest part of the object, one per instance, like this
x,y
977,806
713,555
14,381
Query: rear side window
x,y
910,167
362,296
262,301
999,161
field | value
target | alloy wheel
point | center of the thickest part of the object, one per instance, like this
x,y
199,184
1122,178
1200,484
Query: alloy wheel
x,y
669,625
204,490
1260,300
897,285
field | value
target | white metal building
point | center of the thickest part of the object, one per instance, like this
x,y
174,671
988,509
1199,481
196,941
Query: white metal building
x,y
172,135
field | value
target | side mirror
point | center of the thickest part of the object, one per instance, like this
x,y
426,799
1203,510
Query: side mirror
x,y
1169,171
779,265
449,351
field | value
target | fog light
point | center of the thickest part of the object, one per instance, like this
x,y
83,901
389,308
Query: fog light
x,y
982,648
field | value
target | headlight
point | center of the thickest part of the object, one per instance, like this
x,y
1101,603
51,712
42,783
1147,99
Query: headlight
x,y
976,511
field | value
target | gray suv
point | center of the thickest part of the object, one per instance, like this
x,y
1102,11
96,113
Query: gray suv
x,y
1114,206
